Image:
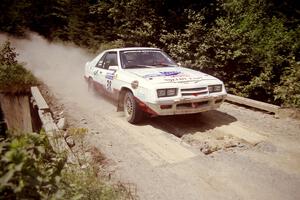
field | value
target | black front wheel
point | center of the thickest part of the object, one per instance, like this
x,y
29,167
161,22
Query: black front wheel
x,y
133,112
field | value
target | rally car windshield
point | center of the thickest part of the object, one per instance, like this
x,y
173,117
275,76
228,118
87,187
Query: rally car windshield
x,y
145,59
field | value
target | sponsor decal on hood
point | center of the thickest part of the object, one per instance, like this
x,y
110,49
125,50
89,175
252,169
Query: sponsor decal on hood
x,y
166,73
171,74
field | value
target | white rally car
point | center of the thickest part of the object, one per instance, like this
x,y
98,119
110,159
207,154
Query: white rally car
x,y
147,80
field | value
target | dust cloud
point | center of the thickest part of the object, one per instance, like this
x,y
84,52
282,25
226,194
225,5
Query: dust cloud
x,y
60,66
54,63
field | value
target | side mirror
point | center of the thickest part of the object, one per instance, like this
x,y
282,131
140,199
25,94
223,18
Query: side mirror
x,y
113,68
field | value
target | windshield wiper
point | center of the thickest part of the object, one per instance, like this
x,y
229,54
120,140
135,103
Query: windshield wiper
x,y
137,66
163,65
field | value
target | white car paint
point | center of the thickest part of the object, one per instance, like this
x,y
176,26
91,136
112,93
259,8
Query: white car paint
x,y
189,99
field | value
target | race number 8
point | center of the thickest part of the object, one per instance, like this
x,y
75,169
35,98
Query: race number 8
x,y
108,85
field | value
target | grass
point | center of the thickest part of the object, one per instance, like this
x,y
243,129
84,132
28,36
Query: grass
x,y
88,181
86,184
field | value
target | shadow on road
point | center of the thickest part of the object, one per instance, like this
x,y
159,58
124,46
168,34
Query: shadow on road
x,y
180,125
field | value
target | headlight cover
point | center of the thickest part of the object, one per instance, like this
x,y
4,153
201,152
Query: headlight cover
x,y
215,88
169,92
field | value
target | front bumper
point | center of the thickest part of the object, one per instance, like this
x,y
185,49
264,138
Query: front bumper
x,y
187,106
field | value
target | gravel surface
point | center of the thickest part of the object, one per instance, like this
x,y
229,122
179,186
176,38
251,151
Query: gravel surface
x,y
263,121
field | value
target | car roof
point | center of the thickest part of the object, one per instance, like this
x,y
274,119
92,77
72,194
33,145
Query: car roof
x,y
133,48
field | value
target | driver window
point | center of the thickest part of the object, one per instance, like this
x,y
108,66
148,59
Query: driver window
x,y
100,62
111,59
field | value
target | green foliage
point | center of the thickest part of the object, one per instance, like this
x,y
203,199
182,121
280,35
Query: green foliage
x,y
134,26
7,54
29,168
17,16
47,17
183,45
85,184
12,18
252,51
289,88
14,78
255,54
252,45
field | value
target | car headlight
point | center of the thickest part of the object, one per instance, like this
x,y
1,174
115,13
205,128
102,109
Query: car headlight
x,y
214,88
170,92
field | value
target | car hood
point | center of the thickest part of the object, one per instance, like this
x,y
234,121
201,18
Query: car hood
x,y
170,74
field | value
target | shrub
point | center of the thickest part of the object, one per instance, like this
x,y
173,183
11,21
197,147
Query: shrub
x,y
30,169
86,184
14,78
250,47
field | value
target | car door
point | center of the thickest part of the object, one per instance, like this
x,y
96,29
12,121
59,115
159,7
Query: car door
x,y
97,71
107,74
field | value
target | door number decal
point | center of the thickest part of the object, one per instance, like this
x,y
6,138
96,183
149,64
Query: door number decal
x,y
108,84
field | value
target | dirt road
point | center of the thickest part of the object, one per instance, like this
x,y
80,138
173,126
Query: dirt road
x,y
231,153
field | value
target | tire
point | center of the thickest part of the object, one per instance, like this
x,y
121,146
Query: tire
x,y
133,112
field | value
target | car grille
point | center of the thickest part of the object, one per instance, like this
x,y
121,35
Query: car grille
x,y
192,105
194,91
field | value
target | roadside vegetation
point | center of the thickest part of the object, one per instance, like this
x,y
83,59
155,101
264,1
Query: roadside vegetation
x,y
30,169
252,45
14,78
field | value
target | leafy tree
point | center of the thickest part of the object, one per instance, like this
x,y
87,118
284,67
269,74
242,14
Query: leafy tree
x,y
255,54
183,45
252,48
12,17
48,18
136,21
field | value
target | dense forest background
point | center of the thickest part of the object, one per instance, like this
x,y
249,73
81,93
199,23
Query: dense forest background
x,y
252,45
